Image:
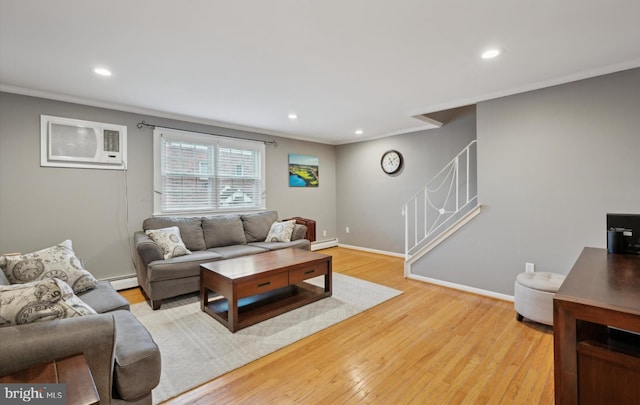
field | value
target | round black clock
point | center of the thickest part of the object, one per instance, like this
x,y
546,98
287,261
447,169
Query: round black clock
x,y
391,161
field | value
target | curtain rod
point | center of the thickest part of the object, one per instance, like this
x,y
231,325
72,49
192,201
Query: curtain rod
x,y
144,124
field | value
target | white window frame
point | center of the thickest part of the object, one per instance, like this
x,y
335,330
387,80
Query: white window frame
x,y
161,134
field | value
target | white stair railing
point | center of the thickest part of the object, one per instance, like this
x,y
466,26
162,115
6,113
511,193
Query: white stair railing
x,y
446,198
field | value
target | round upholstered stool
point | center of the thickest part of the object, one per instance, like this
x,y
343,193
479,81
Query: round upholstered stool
x,y
533,295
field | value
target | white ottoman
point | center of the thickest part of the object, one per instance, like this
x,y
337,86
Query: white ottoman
x,y
533,295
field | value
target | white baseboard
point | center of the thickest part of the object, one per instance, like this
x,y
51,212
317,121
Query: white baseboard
x,y
324,244
479,291
124,283
364,249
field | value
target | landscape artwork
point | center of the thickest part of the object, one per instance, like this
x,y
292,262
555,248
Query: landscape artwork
x,y
303,170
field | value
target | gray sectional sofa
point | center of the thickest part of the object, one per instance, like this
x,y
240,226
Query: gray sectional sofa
x,y
209,238
121,354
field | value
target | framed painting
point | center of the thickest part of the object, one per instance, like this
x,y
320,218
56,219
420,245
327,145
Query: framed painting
x,y
303,170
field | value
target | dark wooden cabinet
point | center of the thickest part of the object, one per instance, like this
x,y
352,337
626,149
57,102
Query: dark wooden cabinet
x,y
596,327
607,375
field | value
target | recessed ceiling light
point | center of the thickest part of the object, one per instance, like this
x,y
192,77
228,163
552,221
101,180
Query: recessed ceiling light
x,y
293,116
491,53
359,132
102,71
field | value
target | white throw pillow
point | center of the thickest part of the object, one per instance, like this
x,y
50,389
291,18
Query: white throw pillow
x,y
38,301
281,231
57,261
169,241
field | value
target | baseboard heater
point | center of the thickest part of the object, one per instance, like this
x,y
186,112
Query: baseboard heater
x,y
324,244
124,283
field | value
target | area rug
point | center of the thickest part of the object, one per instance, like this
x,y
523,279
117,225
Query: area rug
x,y
195,348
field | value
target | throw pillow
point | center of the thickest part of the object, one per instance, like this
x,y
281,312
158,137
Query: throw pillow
x,y
281,231
38,301
57,261
190,229
169,241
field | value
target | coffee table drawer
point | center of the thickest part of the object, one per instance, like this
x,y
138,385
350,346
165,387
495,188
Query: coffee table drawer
x,y
299,275
260,285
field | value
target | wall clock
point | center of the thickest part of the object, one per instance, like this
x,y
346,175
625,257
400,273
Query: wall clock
x,y
391,161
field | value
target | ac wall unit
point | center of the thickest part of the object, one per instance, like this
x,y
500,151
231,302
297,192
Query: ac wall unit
x,y
67,142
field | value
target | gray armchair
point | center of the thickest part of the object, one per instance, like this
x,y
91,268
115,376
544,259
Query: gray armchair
x,y
95,336
121,354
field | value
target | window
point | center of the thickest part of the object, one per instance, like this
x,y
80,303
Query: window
x,y
196,173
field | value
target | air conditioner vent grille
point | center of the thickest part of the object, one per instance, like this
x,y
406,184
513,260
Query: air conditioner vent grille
x,y
111,141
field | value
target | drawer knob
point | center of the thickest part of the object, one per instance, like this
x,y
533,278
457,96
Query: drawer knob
x,y
266,283
309,272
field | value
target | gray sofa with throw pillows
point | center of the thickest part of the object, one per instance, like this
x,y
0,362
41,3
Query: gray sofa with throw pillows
x,y
52,308
170,250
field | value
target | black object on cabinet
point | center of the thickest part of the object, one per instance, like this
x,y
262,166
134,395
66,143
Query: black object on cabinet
x,y
623,233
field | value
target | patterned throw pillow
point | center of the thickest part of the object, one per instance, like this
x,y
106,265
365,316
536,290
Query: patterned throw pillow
x,y
57,261
169,241
281,231
38,301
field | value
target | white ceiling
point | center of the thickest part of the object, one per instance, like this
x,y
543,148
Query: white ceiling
x,y
339,64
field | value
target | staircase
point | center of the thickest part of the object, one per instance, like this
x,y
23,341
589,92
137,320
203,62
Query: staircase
x,y
440,208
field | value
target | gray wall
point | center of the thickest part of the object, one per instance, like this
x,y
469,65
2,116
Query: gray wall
x,y
551,164
369,201
100,209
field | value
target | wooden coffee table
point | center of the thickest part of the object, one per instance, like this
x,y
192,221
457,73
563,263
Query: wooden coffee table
x,y
251,289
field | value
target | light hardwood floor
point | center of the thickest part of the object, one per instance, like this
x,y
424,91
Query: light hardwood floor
x,y
430,345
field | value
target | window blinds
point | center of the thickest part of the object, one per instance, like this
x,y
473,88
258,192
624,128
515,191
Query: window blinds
x,y
206,173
